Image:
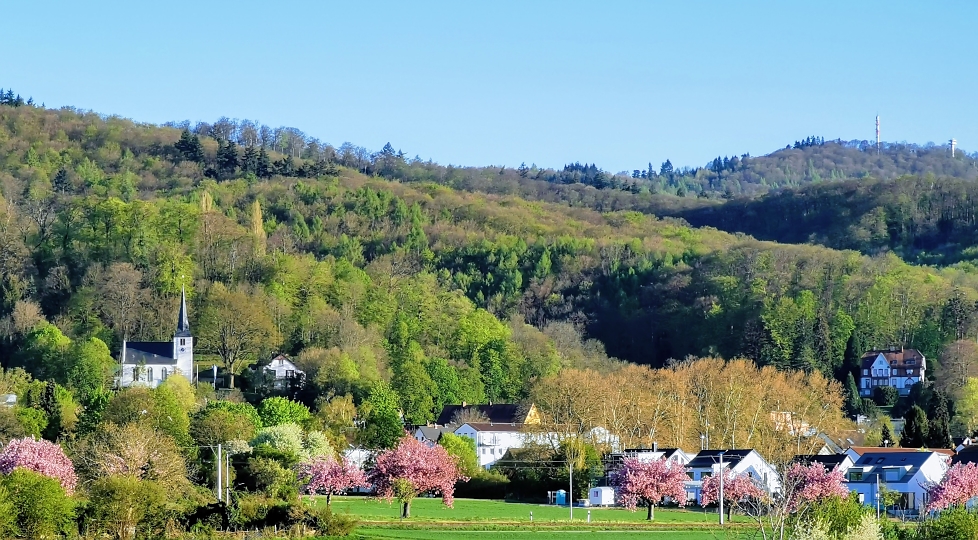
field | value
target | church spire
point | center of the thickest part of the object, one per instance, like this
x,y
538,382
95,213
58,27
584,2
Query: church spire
x,y
183,324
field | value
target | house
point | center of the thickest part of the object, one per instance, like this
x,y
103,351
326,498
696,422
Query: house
x,y
829,461
907,473
739,461
429,435
149,363
281,373
498,413
613,461
897,367
492,440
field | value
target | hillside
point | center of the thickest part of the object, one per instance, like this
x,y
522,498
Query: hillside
x,y
923,219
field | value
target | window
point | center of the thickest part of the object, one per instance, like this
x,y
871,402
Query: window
x,y
855,476
865,372
281,361
149,374
183,341
892,382
290,374
910,362
483,451
163,374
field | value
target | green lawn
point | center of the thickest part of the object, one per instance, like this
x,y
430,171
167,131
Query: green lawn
x,y
482,511
388,534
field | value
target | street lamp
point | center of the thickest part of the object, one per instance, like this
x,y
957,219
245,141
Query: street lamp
x,y
702,442
721,486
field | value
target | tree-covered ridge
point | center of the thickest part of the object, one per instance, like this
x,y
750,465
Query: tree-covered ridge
x,y
921,218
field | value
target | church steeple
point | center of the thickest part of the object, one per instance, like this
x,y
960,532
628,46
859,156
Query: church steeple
x,y
183,324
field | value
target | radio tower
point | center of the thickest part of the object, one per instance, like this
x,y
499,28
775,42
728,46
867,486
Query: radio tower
x,y
877,134
954,143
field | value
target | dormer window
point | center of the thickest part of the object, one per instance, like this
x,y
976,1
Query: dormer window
x,y
910,362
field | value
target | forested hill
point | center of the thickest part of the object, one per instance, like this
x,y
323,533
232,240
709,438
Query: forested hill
x,y
449,295
923,219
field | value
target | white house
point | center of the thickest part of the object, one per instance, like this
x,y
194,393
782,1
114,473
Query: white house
x,y
491,440
907,473
281,372
829,461
897,367
149,363
429,435
740,461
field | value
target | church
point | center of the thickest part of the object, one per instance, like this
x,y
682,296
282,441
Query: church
x,y
149,363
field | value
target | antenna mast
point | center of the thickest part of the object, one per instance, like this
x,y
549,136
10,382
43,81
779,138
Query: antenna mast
x,y
954,142
877,134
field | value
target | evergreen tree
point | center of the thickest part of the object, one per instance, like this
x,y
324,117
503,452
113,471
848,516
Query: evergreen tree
x,y
263,167
886,438
915,429
939,429
227,159
853,400
666,169
60,182
249,164
189,147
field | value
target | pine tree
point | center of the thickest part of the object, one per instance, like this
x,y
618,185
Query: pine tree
x,y
227,159
853,400
939,429
189,147
60,182
264,166
249,164
886,438
915,429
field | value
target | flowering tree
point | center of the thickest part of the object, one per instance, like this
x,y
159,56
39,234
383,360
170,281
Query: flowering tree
x,y
43,457
813,483
411,469
959,486
737,489
326,475
648,482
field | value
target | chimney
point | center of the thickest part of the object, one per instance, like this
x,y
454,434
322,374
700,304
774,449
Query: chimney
x,y
655,446
464,404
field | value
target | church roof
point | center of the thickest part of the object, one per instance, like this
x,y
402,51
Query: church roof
x,y
183,323
149,352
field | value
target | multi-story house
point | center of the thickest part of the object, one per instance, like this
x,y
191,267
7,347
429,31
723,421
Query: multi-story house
x,y
897,367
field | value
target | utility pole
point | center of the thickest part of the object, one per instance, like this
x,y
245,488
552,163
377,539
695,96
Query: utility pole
x,y
721,488
219,466
570,494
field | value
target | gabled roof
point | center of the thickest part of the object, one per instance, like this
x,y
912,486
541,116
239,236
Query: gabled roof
x,y
861,450
873,464
433,433
499,413
895,357
148,352
709,458
486,426
829,461
968,454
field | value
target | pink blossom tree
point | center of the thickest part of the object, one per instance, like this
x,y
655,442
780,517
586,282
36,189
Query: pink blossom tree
x,y
648,482
737,489
959,486
813,483
412,469
329,476
43,457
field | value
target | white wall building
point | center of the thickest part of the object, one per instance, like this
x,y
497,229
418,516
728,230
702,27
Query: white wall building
x,y
907,473
897,367
281,372
492,440
742,461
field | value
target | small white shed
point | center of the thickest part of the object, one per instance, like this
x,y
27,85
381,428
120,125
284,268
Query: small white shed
x,y
602,496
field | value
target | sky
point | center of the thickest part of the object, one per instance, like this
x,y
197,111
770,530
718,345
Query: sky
x,y
619,84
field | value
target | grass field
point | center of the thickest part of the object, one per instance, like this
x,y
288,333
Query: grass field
x,y
388,534
483,511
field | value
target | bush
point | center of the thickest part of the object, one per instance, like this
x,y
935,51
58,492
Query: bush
x,y
870,409
484,485
328,523
42,506
261,512
270,478
126,507
885,396
953,524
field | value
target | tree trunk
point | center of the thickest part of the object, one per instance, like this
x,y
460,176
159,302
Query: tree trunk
x,y
729,512
328,496
651,515
406,512
231,378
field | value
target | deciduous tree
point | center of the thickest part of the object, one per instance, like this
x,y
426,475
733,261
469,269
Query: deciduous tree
x,y
411,469
648,483
326,475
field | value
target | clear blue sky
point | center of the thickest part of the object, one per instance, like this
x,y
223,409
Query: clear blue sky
x,y
479,83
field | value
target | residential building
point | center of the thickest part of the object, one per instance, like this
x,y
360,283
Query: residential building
x,y
612,461
281,373
740,461
492,440
855,452
149,363
429,435
907,473
897,367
